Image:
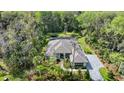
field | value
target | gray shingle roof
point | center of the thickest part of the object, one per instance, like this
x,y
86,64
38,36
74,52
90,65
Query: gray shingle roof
x,y
59,46
66,46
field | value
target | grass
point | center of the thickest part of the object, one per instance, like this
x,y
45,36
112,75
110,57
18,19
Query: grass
x,y
105,73
68,34
84,46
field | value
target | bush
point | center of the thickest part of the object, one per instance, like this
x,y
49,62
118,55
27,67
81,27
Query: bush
x,y
87,76
105,74
2,73
67,64
41,69
10,77
116,57
37,60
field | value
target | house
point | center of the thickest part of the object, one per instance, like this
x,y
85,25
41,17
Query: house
x,y
62,48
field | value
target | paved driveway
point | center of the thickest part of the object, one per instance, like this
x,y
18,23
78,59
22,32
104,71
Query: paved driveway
x,y
93,67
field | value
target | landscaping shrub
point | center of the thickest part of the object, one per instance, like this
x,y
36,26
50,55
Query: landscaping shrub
x,y
37,60
86,76
105,74
116,58
67,64
2,73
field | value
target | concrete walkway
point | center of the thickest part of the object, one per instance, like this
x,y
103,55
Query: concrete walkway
x,y
93,67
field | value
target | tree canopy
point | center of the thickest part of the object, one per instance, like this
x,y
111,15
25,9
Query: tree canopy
x,y
24,35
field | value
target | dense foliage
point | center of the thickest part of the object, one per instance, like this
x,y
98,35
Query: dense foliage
x,y
24,36
22,39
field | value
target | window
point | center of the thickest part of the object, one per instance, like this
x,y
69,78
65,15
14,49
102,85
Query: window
x,y
61,56
80,65
67,55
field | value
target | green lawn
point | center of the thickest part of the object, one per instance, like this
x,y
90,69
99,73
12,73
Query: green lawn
x,y
68,34
84,46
